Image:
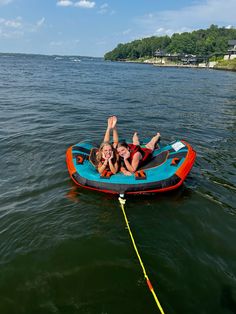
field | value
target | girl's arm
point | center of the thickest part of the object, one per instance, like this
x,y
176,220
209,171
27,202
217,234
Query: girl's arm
x,y
102,166
125,172
132,167
114,167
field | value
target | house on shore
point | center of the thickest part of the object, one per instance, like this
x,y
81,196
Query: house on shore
x,y
231,50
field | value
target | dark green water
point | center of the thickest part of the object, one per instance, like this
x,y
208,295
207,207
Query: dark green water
x,y
66,250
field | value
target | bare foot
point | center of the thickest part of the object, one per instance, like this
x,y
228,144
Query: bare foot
x,y
135,139
114,121
110,122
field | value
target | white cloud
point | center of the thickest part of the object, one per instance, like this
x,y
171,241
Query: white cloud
x,y
79,4
15,23
29,27
64,3
12,34
4,2
85,4
11,28
40,22
169,31
200,15
103,8
15,28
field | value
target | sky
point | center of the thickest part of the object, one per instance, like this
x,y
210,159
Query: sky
x,y
94,27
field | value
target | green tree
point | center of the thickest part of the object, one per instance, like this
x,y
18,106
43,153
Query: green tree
x,y
202,42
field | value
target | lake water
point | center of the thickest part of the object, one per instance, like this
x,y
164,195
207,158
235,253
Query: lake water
x,y
64,249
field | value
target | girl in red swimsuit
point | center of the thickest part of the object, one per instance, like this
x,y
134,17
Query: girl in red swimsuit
x,y
135,156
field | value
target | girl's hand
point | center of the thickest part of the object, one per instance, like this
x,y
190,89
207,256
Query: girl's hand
x,y
110,158
127,173
127,155
105,156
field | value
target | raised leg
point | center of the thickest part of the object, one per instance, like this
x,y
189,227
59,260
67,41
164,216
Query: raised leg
x,y
136,139
109,127
115,132
151,145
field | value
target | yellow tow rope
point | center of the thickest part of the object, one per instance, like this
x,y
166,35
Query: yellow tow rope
x,y
122,203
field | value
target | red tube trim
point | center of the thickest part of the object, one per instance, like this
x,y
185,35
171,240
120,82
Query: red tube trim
x,y
69,161
185,168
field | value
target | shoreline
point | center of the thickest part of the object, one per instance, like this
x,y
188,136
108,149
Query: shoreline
x,y
211,66
179,66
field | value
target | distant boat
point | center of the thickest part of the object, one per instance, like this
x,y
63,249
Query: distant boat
x,y
75,60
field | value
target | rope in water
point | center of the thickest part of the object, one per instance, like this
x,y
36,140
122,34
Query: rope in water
x,y
122,203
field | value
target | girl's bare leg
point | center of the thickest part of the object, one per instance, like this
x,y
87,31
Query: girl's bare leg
x,y
152,143
136,139
115,132
109,127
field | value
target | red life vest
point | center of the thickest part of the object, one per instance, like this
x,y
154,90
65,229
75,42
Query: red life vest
x,y
145,152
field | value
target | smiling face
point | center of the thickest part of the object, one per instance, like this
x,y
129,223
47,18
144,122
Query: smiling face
x,y
122,151
107,151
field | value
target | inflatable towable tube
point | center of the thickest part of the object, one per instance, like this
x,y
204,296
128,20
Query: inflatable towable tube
x,y
166,171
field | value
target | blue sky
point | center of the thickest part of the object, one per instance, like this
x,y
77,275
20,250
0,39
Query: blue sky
x,y
93,27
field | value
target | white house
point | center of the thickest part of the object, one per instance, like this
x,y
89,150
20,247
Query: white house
x,y
231,51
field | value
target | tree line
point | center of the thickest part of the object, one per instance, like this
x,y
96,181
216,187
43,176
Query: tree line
x,y
202,42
